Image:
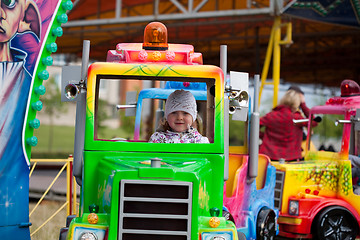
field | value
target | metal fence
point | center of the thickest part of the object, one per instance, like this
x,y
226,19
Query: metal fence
x,y
71,193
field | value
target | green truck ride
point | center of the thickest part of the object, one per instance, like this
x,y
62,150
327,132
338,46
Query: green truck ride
x,y
133,189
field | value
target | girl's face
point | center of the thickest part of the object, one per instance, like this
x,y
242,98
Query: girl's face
x,y
179,121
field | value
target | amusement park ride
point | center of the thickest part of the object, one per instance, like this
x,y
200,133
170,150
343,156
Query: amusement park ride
x,y
315,197
142,186
133,189
27,38
162,191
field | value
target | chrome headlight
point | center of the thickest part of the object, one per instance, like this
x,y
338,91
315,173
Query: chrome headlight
x,y
294,207
83,233
88,236
217,236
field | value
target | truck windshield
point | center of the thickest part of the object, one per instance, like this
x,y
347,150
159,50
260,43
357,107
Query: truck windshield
x,y
132,109
327,135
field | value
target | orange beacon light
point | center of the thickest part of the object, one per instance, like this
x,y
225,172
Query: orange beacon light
x,y
155,37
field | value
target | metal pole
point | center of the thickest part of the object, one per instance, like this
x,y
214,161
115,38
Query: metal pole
x,y
68,188
223,66
266,66
118,9
276,59
81,116
254,135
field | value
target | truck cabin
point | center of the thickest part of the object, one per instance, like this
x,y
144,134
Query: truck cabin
x,y
123,105
130,101
337,135
138,110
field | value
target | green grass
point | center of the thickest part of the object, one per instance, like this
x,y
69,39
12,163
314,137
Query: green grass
x,y
63,139
109,133
61,144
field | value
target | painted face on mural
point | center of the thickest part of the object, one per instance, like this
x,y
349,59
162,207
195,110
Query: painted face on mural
x,y
17,16
11,13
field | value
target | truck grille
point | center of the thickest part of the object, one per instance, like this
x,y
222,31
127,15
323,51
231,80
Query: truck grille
x,y
279,184
155,210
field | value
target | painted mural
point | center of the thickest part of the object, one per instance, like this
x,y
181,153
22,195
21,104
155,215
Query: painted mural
x,y
24,31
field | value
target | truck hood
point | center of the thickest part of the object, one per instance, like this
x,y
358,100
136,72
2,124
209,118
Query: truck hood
x,y
169,166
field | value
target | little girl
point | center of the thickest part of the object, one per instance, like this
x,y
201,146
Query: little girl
x,y
180,114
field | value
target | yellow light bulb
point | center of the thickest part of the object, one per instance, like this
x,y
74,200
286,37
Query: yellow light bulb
x,y
214,222
93,218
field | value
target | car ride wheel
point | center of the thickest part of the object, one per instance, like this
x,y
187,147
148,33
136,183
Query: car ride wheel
x,y
336,223
266,225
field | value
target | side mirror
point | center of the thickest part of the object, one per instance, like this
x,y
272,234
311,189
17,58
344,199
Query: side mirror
x,y
71,91
70,79
238,95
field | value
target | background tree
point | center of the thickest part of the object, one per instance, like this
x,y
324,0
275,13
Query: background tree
x,y
53,106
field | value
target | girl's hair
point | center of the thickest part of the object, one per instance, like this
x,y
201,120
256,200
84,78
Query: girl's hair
x,y
163,125
199,125
291,99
